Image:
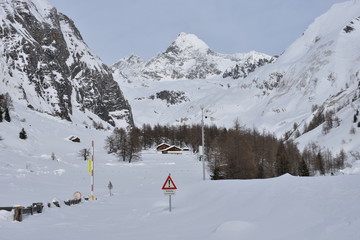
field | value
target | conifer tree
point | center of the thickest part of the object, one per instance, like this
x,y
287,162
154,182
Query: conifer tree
x,y
282,163
303,169
7,115
1,115
320,163
22,134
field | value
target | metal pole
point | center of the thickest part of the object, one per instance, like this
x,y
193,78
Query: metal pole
x,y
92,173
202,140
170,203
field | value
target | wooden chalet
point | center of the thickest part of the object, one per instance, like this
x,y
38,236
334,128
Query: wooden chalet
x,y
172,150
162,146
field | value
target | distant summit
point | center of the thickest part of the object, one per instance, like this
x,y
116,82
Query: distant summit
x,y
188,57
187,43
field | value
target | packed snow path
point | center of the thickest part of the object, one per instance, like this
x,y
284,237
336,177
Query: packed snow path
x,y
281,208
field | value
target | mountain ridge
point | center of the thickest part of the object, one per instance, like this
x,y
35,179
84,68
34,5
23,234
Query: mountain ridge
x,y
187,57
47,66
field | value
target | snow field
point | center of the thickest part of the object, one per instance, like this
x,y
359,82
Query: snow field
x,y
279,208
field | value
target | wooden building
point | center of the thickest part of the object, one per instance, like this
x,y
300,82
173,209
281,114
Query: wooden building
x,y
172,150
162,146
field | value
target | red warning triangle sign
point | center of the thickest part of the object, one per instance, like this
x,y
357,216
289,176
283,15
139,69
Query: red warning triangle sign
x,y
169,184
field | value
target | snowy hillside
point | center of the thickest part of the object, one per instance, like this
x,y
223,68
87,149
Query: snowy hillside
x,y
317,75
322,208
46,65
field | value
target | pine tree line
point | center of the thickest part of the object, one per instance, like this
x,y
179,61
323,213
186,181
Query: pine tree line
x,y
247,154
234,153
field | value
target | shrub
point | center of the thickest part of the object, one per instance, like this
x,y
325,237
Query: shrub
x,y
22,134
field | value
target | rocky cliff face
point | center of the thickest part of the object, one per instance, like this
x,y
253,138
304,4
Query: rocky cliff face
x,y
46,64
188,57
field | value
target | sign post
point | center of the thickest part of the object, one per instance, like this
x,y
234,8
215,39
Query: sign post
x,y
169,188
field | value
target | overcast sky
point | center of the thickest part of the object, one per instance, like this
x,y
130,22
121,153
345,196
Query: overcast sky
x,y
117,28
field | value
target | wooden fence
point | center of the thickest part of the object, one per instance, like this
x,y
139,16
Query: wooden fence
x,y
19,211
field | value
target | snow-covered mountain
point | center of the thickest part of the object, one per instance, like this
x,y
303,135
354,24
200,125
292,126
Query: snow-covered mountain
x,y
310,78
317,76
188,57
46,65
312,89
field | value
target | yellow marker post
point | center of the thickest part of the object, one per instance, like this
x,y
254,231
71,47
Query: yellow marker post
x,y
90,165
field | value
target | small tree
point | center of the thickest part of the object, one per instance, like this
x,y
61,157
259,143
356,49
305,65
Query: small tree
x,y
84,153
125,144
320,163
1,114
22,134
340,160
121,143
134,144
7,115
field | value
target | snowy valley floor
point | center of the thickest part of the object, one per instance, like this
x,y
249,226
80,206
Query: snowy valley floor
x,y
280,208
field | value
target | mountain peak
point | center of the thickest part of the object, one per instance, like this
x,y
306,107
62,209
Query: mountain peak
x,y
188,57
129,61
186,41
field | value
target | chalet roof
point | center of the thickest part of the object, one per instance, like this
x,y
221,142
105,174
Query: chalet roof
x,y
172,148
162,144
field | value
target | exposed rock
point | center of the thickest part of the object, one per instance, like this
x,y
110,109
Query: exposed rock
x,y
171,97
45,57
74,139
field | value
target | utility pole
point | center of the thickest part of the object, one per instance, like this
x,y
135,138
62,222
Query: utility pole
x,y
92,197
202,141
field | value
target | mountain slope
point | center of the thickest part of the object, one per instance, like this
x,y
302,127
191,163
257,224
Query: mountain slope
x,y
310,93
318,75
47,66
